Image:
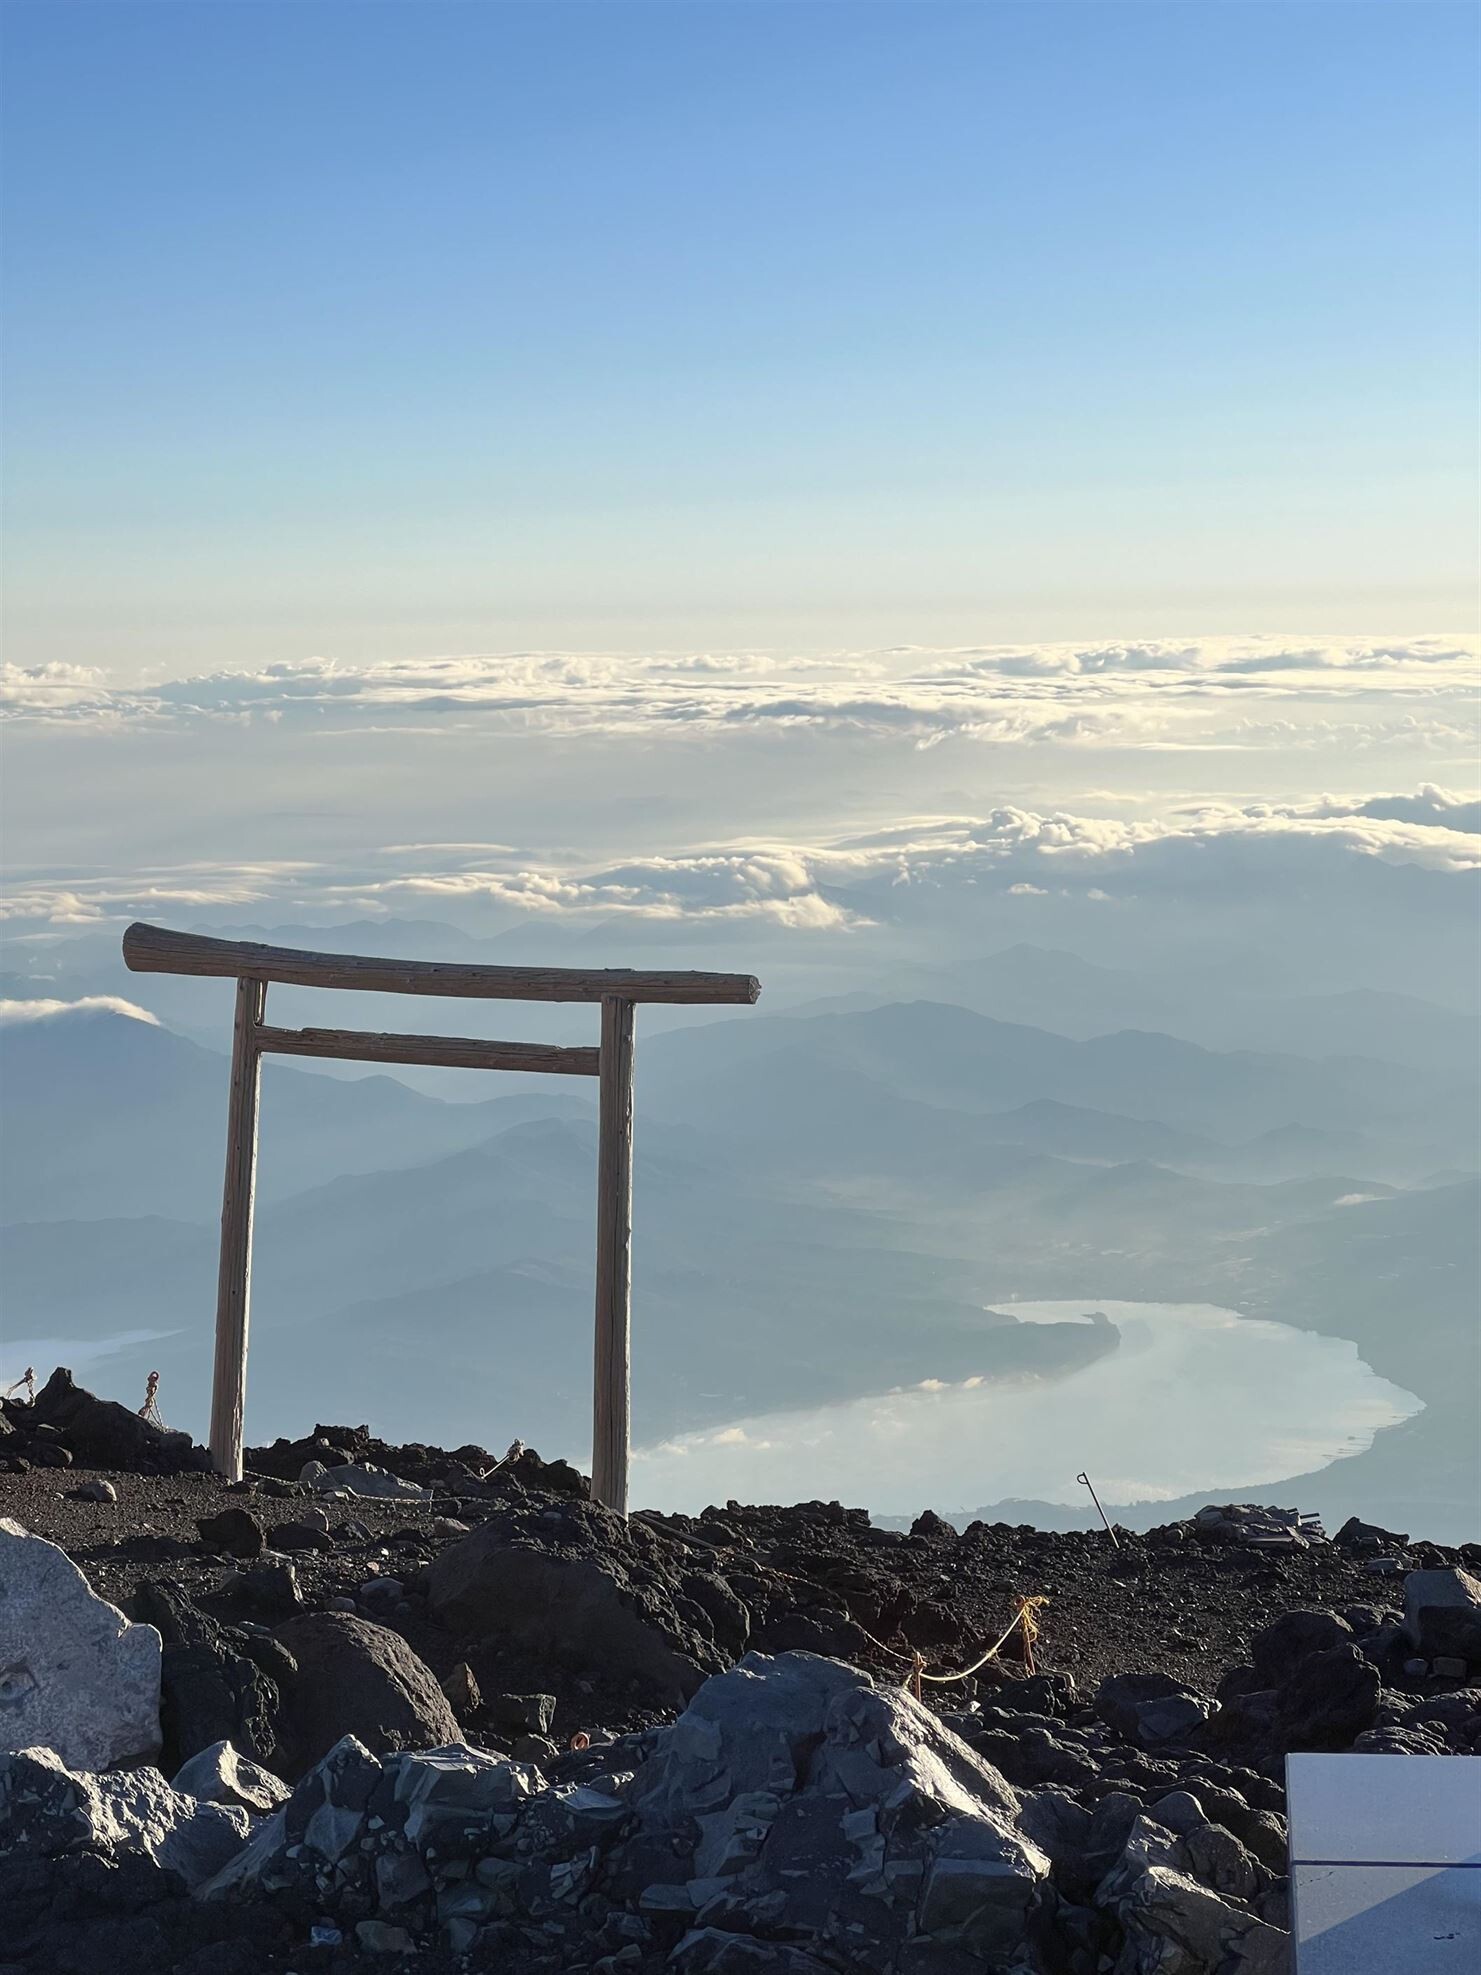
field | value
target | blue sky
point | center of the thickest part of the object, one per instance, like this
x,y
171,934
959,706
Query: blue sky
x,y
374,330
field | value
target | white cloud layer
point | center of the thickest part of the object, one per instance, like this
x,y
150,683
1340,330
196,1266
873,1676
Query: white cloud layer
x,y
1136,694
828,884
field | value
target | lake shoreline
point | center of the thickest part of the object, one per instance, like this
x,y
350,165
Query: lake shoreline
x,y
1193,1398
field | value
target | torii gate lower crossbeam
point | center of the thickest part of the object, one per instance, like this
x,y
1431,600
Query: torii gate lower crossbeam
x,y
154,949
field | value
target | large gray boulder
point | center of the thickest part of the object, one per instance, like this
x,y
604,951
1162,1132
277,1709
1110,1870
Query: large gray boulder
x,y
78,1677
356,1678
1174,1923
792,1799
795,1783
48,1810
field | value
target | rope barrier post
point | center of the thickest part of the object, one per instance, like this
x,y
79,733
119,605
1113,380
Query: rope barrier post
x,y
1025,1617
1030,1627
1085,1478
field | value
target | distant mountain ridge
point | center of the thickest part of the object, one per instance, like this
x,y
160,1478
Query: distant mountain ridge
x,y
827,1203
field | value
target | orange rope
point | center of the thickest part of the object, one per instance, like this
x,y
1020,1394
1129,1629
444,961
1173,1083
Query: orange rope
x,y
1025,1617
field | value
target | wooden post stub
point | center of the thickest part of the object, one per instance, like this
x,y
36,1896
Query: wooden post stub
x,y
611,1410
234,1282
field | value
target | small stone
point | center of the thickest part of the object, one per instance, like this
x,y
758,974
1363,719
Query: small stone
x,y
219,1775
461,1689
538,1749
1448,1666
1150,1709
300,1535
95,1491
399,1877
236,1532
270,1589
1416,1669
380,1937
522,1714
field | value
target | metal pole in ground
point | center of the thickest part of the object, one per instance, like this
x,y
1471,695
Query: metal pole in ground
x,y
1099,1510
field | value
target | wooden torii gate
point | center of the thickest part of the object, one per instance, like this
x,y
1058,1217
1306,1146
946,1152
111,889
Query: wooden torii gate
x,y
156,950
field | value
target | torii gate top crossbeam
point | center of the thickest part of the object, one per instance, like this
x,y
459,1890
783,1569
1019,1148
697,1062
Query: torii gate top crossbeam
x,y
156,950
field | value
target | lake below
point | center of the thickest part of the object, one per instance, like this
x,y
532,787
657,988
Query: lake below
x,y
1193,1397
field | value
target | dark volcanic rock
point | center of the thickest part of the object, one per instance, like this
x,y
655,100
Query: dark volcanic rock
x,y
796,1816
107,1435
235,1532
553,1477
580,1587
1367,1536
1149,1709
355,1678
1293,1637
286,1459
269,1590
1329,1699
1442,1613
522,1714
209,1690
299,1536
462,1692
428,1467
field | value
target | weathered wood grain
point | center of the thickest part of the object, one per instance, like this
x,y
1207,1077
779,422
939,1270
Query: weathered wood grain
x,y
158,950
442,1052
611,1405
234,1277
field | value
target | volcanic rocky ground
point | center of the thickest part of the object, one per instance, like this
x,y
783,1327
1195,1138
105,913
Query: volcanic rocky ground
x,y
1116,1807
